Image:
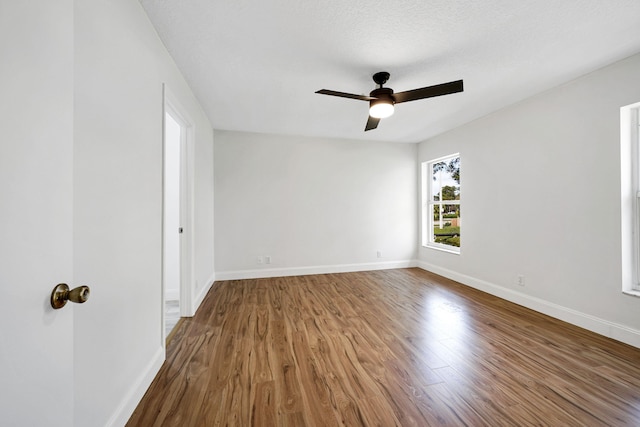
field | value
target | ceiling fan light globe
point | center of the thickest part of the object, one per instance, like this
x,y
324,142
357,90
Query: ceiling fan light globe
x,y
381,110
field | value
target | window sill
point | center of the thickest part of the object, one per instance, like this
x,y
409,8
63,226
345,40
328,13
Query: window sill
x,y
451,251
632,292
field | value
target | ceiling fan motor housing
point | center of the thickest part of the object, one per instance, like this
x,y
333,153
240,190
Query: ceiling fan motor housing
x,y
383,94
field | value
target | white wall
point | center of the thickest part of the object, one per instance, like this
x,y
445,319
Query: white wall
x,y
120,67
312,204
541,197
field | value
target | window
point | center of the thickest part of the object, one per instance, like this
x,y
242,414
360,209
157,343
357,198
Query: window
x,y
630,197
441,203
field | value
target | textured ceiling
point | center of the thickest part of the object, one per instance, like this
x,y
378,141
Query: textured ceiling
x,y
255,64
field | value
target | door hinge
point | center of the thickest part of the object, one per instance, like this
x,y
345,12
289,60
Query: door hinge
x,y
180,230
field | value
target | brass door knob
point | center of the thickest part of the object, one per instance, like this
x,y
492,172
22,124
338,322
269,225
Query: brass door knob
x,y
61,294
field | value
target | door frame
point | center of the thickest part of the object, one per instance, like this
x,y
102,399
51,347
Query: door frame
x,y
173,107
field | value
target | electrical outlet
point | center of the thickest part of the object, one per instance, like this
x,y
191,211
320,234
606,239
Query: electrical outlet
x,y
260,260
379,254
267,259
520,280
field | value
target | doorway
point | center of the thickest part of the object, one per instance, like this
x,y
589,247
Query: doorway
x,y
177,223
171,269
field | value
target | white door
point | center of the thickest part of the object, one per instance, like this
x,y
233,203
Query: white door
x,y
36,144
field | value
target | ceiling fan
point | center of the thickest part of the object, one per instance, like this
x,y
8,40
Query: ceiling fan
x,y
382,99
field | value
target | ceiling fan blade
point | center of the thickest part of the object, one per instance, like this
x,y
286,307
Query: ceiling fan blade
x,y
344,95
429,91
372,123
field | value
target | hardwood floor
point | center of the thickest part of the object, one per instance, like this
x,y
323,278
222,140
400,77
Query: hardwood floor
x,y
395,347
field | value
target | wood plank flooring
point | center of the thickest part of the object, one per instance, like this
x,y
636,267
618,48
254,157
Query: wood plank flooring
x,y
385,348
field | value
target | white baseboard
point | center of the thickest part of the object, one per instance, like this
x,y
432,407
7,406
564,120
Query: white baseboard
x,y
319,269
203,292
600,326
138,388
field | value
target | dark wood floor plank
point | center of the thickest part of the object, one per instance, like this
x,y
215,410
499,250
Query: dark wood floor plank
x,y
396,347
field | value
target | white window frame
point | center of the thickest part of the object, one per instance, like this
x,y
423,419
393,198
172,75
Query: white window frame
x,y
428,204
630,197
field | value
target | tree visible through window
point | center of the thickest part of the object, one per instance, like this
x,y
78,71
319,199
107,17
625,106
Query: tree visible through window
x,y
441,210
